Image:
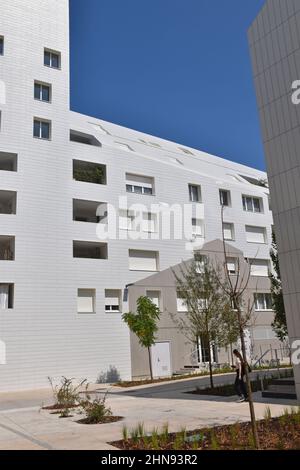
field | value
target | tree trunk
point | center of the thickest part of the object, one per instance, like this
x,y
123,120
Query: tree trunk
x,y
231,354
210,364
248,382
150,363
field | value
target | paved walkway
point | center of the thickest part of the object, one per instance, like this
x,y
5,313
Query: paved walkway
x,y
23,425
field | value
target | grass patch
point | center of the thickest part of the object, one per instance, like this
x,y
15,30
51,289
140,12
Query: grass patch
x,y
281,433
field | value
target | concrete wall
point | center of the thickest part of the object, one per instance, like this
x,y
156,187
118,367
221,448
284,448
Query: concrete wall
x,y
274,39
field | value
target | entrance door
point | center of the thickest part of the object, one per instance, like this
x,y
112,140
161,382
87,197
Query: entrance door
x,y
161,359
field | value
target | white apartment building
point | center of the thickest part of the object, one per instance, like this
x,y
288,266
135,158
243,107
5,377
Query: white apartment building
x,y
61,288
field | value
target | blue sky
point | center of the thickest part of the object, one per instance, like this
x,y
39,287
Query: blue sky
x,y
177,69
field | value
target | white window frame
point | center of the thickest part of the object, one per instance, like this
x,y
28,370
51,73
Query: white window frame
x,y
155,297
43,85
230,227
52,53
134,186
42,121
262,263
191,194
152,258
197,228
221,191
249,204
232,263
109,306
264,296
261,231
92,298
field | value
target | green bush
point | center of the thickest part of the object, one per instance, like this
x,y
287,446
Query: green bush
x,y
96,410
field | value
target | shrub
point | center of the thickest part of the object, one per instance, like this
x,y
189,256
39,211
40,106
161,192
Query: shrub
x,y
66,394
96,410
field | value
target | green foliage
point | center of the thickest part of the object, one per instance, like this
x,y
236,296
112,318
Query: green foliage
x,y
209,314
96,410
93,174
66,394
267,414
143,323
279,324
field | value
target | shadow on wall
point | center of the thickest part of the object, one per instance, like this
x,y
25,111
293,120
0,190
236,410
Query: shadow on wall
x,y
110,376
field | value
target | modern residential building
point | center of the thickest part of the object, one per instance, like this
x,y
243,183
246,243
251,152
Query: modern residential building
x,y
275,44
174,351
62,288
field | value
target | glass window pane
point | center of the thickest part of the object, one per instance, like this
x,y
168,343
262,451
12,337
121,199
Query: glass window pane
x,y
1,46
138,189
55,61
45,130
249,205
147,190
37,91
36,128
45,93
256,205
47,58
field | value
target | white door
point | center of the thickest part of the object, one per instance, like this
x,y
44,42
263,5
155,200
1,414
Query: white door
x,y
161,359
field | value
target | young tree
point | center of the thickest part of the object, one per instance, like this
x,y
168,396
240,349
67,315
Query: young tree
x,y
206,306
235,288
143,324
279,324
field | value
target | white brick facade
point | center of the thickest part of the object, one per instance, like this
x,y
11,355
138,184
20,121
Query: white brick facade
x,y
44,335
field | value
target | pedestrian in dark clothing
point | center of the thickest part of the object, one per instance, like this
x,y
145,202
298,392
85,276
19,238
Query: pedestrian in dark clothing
x,y
239,385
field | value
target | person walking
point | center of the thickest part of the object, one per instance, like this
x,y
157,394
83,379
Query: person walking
x,y
239,385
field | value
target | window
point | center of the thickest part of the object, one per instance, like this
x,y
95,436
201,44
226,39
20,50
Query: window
x,y
89,211
112,300
42,92
89,250
6,296
141,260
252,204
256,234
225,199
8,161
259,267
139,184
149,222
263,301
201,261
195,193
8,202
42,129
82,138
155,297
86,301
197,228
232,264
1,45
89,172
181,305
228,231
126,220
52,59
7,248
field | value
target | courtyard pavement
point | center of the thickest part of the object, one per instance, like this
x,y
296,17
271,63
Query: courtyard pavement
x,y
23,425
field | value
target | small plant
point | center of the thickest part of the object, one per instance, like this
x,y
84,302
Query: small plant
x,y
154,440
267,413
214,441
234,432
134,435
96,410
141,430
66,394
164,435
125,433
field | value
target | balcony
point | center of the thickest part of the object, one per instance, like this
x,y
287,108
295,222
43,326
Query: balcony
x,y
89,211
89,172
7,248
90,250
8,161
8,202
82,138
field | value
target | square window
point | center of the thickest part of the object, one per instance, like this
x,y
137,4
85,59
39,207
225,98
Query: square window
x,y
52,59
112,300
42,129
86,300
42,92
